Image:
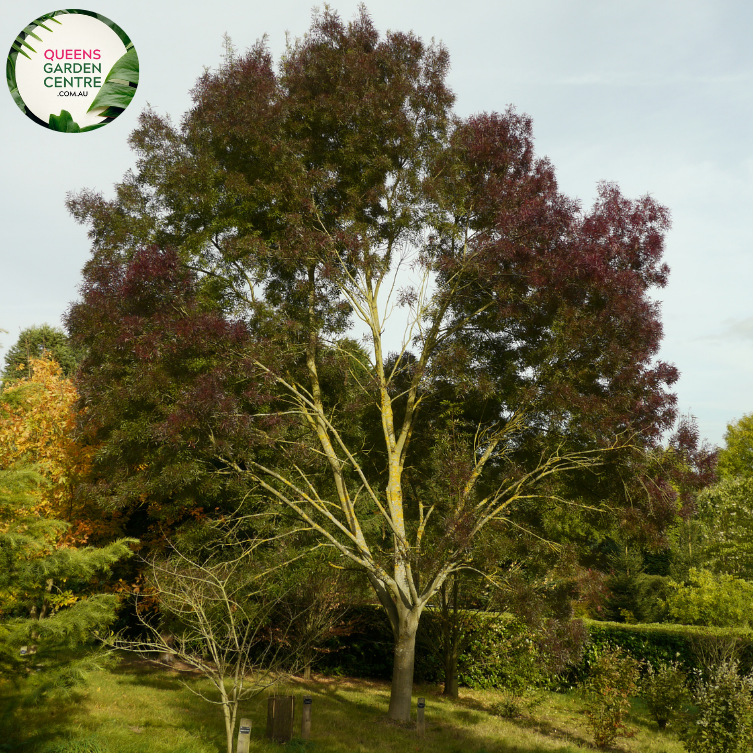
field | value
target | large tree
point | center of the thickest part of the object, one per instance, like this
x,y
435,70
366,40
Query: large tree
x,y
36,342
343,187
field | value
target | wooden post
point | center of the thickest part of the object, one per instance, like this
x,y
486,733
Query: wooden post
x,y
244,736
420,725
306,717
280,711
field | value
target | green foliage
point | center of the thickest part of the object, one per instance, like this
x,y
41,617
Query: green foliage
x,y
723,722
640,641
710,599
120,85
49,605
608,688
725,511
503,655
65,123
687,539
34,342
736,459
665,691
693,647
651,595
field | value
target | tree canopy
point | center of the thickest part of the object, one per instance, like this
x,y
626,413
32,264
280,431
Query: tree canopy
x,y
36,342
339,188
736,457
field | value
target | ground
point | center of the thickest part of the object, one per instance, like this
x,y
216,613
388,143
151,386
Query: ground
x,y
137,707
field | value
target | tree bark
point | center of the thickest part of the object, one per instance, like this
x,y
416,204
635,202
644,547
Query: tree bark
x,y
402,668
451,675
451,636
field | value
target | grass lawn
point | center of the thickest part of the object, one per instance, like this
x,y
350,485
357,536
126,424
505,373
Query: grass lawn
x,y
137,708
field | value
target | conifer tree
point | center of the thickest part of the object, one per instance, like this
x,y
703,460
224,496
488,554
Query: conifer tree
x,y
51,605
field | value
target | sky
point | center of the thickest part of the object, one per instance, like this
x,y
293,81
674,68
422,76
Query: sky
x,y
654,95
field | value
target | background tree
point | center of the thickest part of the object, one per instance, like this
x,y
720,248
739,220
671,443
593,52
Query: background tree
x,y
295,197
38,416
726,517
50,600
36,342
161,361
736,458
641,567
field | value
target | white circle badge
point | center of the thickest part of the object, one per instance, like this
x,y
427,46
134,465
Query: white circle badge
x,y
72,70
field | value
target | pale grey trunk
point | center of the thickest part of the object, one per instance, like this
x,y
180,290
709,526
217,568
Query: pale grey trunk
x,y
402,667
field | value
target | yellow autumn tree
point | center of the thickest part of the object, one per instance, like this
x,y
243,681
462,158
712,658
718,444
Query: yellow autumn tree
x,y
37,422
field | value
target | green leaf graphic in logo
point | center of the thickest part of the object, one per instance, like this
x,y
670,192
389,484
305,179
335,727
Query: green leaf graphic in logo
x,y
120,85
63,122
18,48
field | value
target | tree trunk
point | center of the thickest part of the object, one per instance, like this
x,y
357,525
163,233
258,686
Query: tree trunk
x,y
451,675
451,638
402,668
229,714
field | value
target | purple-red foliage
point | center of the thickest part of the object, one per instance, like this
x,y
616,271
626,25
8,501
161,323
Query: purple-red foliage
x,y
168,383
567,324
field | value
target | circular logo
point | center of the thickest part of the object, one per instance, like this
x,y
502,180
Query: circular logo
x,y
72,70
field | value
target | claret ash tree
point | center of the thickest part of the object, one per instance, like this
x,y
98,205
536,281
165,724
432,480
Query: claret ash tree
x,y
338,188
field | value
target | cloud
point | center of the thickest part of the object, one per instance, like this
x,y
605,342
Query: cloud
x,y
737,329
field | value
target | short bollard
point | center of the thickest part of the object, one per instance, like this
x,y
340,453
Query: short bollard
x,y
420,725
244,736
306,718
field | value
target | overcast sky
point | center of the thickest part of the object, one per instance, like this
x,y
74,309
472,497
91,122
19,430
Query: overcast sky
x,y
655,95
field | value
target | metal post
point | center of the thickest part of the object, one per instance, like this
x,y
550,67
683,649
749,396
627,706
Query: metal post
x,y
306,717
420,725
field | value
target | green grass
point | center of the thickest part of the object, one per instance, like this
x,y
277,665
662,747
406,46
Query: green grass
x,y
137,709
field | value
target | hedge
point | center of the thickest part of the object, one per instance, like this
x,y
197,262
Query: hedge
x,y
667,642
501,658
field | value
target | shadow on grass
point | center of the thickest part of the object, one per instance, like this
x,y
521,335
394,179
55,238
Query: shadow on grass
x,y
349,716
27,727
346,724
474,710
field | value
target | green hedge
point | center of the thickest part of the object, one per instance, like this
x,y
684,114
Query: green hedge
x,y
502,656
664,642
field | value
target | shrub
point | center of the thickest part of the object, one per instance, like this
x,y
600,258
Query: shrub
x,y
607,690
723,722
504,655
515,705
710,599
665,691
